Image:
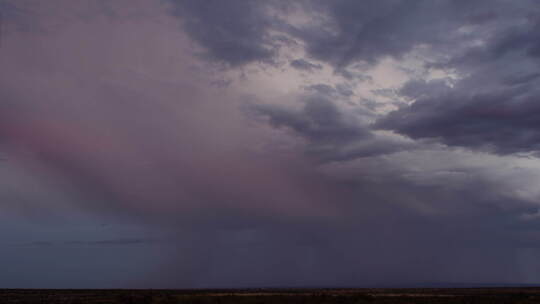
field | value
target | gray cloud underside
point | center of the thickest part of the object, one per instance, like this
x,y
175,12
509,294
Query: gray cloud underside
x,y
233,32
467,115
302,64
493,109
330,135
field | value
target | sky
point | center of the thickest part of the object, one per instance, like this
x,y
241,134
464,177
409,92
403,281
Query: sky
x,y
247,143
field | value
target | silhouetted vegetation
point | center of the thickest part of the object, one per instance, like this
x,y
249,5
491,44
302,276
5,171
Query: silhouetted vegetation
x,y
275,296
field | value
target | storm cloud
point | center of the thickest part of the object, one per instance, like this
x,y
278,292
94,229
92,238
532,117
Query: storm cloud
x,y
182,144
492,107
234,32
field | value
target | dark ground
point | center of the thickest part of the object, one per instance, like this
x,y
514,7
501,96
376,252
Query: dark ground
x,y
262,296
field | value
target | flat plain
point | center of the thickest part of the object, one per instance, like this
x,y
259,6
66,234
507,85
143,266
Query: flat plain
x,y
263,296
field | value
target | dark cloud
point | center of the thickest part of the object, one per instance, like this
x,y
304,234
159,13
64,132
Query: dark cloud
x,y
503,121
323,89
521,79
304,65
9,10
351,32
337,91
112,242
368,30
319,121
523,39
107,242
233,32
417,89
493,108
330,134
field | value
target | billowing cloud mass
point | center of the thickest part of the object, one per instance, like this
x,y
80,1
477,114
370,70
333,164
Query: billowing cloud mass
x,y
198,143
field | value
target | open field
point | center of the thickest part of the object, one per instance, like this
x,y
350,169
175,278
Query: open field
x,y
262,296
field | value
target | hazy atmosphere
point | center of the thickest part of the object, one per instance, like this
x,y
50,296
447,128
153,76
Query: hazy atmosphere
x,y
246,143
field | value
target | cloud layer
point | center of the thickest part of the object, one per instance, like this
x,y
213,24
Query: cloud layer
x,y
243,143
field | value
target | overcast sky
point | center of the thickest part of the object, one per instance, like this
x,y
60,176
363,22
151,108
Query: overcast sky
x,y
244,143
